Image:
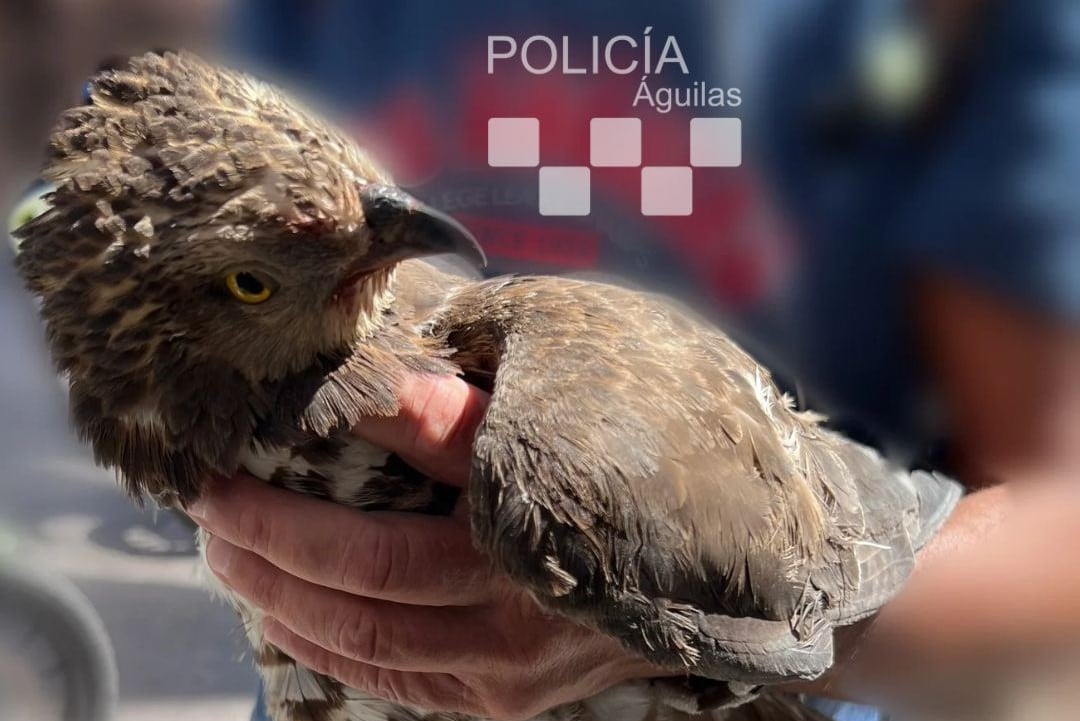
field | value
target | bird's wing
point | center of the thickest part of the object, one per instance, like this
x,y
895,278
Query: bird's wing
x,y
638,472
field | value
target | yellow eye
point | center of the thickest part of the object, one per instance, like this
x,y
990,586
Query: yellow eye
x,y
246,288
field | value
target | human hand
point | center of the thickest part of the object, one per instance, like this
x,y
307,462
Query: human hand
x,y
401,605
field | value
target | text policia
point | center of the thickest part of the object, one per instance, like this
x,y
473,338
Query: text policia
x,y
618,55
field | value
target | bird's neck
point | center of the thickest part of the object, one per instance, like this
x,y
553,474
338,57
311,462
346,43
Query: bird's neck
x,y
197,415
374,298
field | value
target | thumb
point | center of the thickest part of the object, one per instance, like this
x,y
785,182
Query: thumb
x,y
434,429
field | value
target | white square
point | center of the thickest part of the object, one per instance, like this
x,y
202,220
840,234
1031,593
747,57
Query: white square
x,y
513,142
564,190
716,142
667,190
615,142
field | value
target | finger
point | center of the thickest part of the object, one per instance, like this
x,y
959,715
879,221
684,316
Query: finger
x,y
392,635
403,557
432,691
434,428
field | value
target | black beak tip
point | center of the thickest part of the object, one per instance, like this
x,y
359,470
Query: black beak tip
x,y
412,229
465,243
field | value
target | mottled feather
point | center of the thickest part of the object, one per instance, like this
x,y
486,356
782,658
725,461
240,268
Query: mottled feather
x,y
635,471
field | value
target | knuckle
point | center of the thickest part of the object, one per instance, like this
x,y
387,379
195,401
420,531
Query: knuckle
x,y
454,426
402,556
374,574
361,637
463,430
328,666
255,531
351,575
384,684
354,675
394,687
390,558
441,415
265,590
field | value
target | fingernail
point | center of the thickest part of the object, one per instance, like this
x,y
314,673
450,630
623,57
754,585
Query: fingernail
x,y
220,555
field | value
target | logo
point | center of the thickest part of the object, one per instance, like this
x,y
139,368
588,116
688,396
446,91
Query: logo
x,y
615,142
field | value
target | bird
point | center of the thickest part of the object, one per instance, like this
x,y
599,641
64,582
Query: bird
x,y
228,282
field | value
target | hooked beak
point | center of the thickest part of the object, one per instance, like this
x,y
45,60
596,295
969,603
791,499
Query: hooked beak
x,y
403,227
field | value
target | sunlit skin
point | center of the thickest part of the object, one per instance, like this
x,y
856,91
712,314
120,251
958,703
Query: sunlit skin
x,y
402,606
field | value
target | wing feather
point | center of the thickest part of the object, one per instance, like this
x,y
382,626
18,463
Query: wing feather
x,y
637,471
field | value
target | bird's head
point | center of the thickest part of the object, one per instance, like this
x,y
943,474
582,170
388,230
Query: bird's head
x,y
201,208
203,224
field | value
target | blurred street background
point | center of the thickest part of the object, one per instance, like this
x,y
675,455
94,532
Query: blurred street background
x,y
179,652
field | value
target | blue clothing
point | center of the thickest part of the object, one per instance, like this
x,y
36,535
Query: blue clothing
x,y
259,714
984,192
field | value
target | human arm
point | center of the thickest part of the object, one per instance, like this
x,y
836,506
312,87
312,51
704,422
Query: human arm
x,y
996,590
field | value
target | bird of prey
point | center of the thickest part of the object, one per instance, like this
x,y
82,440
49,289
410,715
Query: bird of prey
x,y
230,283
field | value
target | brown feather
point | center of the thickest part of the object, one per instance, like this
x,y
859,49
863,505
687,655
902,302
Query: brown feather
x,y
636,470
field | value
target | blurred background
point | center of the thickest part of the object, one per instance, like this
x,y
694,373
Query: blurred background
x,y
901,243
